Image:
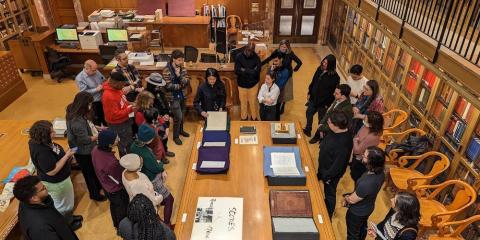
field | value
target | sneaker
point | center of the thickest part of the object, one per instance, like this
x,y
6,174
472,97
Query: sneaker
x,y
165,161
307,133
185,134
75,225
170,154
77,218
177,141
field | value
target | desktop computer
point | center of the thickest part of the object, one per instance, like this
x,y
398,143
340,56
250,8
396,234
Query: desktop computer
x,y
67,37
117,37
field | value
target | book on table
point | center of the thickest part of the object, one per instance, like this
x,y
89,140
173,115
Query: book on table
x,y
283,133
248,129
214,152
216,121
283,167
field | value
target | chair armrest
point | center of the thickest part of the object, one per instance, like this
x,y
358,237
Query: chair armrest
x,y
413,181
438,188
392,157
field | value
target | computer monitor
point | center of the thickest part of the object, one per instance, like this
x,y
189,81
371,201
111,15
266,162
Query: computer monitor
x,y
67,34
117,35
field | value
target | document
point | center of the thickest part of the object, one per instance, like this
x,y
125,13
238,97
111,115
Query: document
x,y
161,64
214,144
374,227
147,63
212,164
283,164
250,139
59,124
216,121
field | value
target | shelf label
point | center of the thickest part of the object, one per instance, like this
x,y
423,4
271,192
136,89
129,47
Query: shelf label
x,y
184,217
320,218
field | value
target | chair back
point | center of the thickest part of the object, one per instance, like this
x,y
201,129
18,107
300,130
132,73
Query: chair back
x,y
234,23
194,83
439,166
207,57
393,119
191,54
229,90
465,195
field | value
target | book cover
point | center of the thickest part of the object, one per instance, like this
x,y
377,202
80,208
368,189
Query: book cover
x,y
290,204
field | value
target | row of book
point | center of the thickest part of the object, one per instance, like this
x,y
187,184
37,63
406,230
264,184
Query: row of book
x,y
456,128
473,151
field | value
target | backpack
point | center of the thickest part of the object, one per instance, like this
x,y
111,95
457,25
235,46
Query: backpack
x,y
411,146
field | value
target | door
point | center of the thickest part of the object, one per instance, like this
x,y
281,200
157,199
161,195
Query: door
x,y
297,20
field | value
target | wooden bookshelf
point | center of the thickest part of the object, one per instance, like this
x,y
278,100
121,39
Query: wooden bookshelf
x,y
15,17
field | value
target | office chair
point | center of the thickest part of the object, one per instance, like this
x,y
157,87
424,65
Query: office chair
x,y
191,54
57,64
208,58
107,52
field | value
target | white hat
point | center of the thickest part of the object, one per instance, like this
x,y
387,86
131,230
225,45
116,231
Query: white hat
x,y
156,79
131,162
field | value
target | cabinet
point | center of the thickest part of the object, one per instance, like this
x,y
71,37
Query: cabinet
x,y
15,17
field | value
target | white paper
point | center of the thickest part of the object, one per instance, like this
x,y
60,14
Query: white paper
x,y
216,121
59,124
194,166
147,63
199,144
212,164
214,144
283,164
250,139
236,140
184,217
286,171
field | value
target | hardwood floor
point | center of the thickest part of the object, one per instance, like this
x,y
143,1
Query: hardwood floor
x,y
47,99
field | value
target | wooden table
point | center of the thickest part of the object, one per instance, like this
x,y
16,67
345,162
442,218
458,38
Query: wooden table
x,y
245,179
14,153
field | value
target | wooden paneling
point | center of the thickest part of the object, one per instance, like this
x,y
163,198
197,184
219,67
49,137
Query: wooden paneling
x,y
11,84
63,11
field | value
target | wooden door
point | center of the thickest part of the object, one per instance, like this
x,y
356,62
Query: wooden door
x,y
297,20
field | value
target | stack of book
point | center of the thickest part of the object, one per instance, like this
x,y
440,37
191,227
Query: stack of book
x,y
214,152
283,133
473,149
291,213
283,167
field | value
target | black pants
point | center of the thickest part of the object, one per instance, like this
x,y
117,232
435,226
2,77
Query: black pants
x,y
165,144
98,115
167,211
88,172
311,110
124,132
268,113
280,110
118,205
357,168
356,226
178,110
330,192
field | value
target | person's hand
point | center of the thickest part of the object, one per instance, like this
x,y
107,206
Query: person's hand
x,y
140,89
356,139
355,110
99,88
371,232
69,152
177,71
164,176
133,108
204,114
272,67
242,69
344,203
94,138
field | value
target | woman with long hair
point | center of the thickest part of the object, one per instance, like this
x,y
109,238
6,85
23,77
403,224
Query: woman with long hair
x,y
369,100
211,94
368,136
401,222
142,222
82,134
53,168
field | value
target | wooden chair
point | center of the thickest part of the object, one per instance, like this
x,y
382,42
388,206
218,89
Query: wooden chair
x,y
445,232
194,83
229,90
408,178
434,213
234,24
391,137
393,119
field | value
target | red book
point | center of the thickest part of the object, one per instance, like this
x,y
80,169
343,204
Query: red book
x,y
429,78
460,107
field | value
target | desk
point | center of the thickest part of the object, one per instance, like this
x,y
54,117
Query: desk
x,y
15,153
245,179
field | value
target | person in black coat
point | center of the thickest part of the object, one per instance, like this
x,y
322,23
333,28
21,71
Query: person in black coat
x,y
320,91
37,215
247,68
211,94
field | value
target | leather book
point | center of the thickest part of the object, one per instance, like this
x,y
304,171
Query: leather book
x,y
290,204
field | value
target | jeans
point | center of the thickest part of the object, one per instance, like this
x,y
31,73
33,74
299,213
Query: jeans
x,y
248,100
330,192
124,132
98,115
356,226
311,110
63,197
118,205
178,110
91,178
268,113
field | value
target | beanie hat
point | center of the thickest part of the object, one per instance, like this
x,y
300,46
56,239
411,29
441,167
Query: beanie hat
x,y
156,79
131,162
118,76
106,138
145,133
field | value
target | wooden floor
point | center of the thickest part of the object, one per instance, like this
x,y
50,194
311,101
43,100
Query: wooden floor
x,y
47,99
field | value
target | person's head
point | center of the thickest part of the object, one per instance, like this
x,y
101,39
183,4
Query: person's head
x,y
374,122
337,120
81,107
41,132
142,212
249,50
122,58
342,92
145,134
329,64
30,189
144,101
151,116
107,139
356,72
117,80
276,59
212,76
374,159
269,78
407,207
131,162
177,58
90,67
155,81
371,89
284,46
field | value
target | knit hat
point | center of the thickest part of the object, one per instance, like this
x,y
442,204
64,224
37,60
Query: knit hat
x,y
131,162
145,133
106,138
156,79
118,76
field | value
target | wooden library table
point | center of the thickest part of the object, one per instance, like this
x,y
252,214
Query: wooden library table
x,y
245,179
14,152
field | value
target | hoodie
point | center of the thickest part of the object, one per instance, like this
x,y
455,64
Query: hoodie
x,y
115,105
323,84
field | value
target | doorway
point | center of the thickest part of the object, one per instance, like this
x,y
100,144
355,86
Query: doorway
x,y
297,20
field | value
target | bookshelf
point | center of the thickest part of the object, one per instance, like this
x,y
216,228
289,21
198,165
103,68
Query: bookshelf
x,y
428,81
412,78
336,26
15,17
400,67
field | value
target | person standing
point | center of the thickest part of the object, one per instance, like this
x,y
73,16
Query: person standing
x,y
369,100
342,103
335,150
134,80
211,94
247,69
361,202
37,215
267,97
281,78
356,81
320,91
109,172
81,133
117,110
54,168
177,84
90,80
